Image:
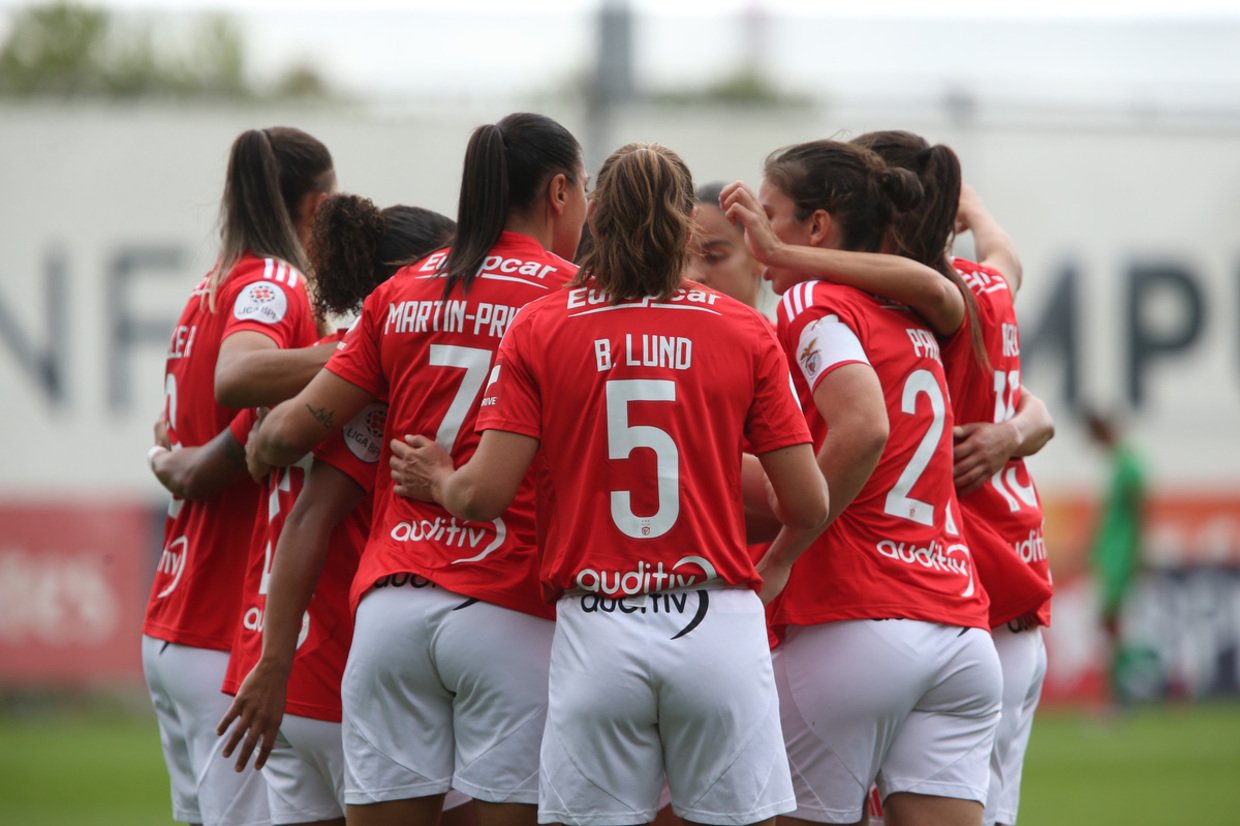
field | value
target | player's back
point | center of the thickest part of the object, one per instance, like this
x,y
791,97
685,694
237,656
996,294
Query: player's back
x,y
644,407
896,550
1008,503
205,540
430,355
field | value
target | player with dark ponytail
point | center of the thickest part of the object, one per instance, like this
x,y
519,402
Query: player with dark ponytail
x,y
252,304
293,641
997,420
637,389
856,707
446,682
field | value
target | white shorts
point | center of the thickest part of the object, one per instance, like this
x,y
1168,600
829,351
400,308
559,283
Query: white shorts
x,y
184,684
911,706
305,772
673,683
443,691
1022,655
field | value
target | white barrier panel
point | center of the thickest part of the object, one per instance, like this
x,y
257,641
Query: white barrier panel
x,y
1128,238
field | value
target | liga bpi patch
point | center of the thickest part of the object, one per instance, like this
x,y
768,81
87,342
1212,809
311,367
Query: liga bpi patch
x,y
364,432
261,301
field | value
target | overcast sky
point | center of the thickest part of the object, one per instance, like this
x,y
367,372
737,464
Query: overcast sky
x,y
1078,52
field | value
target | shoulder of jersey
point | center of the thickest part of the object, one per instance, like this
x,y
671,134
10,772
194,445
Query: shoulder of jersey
x,y
800,297
569,269
253,269
979,277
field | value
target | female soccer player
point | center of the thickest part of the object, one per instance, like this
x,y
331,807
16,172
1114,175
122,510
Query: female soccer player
x,y
637,390
1003,523
721,260
872,383
459,699
253,300
296,625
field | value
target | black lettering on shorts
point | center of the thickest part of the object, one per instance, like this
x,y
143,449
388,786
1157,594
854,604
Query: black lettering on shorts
x,y
1023,622
703,605
402,579
676,602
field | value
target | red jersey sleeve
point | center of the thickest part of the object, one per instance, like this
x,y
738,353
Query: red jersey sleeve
x,y
511,401
242,424
270,299
775,419
355,450
357,358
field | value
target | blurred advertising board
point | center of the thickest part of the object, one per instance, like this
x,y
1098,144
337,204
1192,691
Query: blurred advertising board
x,y
73,586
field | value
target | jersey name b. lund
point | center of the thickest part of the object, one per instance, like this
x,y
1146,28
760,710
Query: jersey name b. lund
x,y
897,550
431,357
197,588
642,409
1005,514
327,625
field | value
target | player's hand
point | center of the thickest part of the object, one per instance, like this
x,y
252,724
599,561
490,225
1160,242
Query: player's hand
x,y
257,710
741,206
256,466
416,462
980,451
161,431
774,577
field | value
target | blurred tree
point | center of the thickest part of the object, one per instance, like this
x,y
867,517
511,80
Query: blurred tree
x,y
67,50
55,49
747,86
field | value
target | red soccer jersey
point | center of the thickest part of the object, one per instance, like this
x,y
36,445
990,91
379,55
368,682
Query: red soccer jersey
x,y
196,594
642,409
327,625
430,358
896,550
1004,514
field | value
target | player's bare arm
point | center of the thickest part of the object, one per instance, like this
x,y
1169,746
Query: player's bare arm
x,y
992,244
901,279
982,448
857,431
297,425
258,709
801,501
253,370
484,486
200,472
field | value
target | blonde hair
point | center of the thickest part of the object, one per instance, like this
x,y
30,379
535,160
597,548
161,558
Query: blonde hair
x,y
641,221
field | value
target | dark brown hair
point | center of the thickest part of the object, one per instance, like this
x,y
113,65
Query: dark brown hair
x,y
925,232
861,193
507,166
642,221
270,172
356,247
709,194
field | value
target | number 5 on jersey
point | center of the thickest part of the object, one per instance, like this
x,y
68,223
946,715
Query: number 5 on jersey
x,y
623,438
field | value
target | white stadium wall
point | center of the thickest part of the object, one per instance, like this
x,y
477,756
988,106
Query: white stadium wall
x,y
1128,236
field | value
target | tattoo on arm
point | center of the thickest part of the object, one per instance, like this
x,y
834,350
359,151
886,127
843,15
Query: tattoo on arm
x,y
323,416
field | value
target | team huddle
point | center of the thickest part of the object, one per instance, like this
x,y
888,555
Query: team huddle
x,y
564,530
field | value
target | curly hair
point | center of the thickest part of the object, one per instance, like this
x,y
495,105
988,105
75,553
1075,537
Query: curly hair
x,y
356,247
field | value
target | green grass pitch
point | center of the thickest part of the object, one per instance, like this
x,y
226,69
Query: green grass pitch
x,y
1158,765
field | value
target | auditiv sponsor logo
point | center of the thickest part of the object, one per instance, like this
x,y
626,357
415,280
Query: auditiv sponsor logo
x,y
952,558
452,534
172,564
646,578
1032,549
